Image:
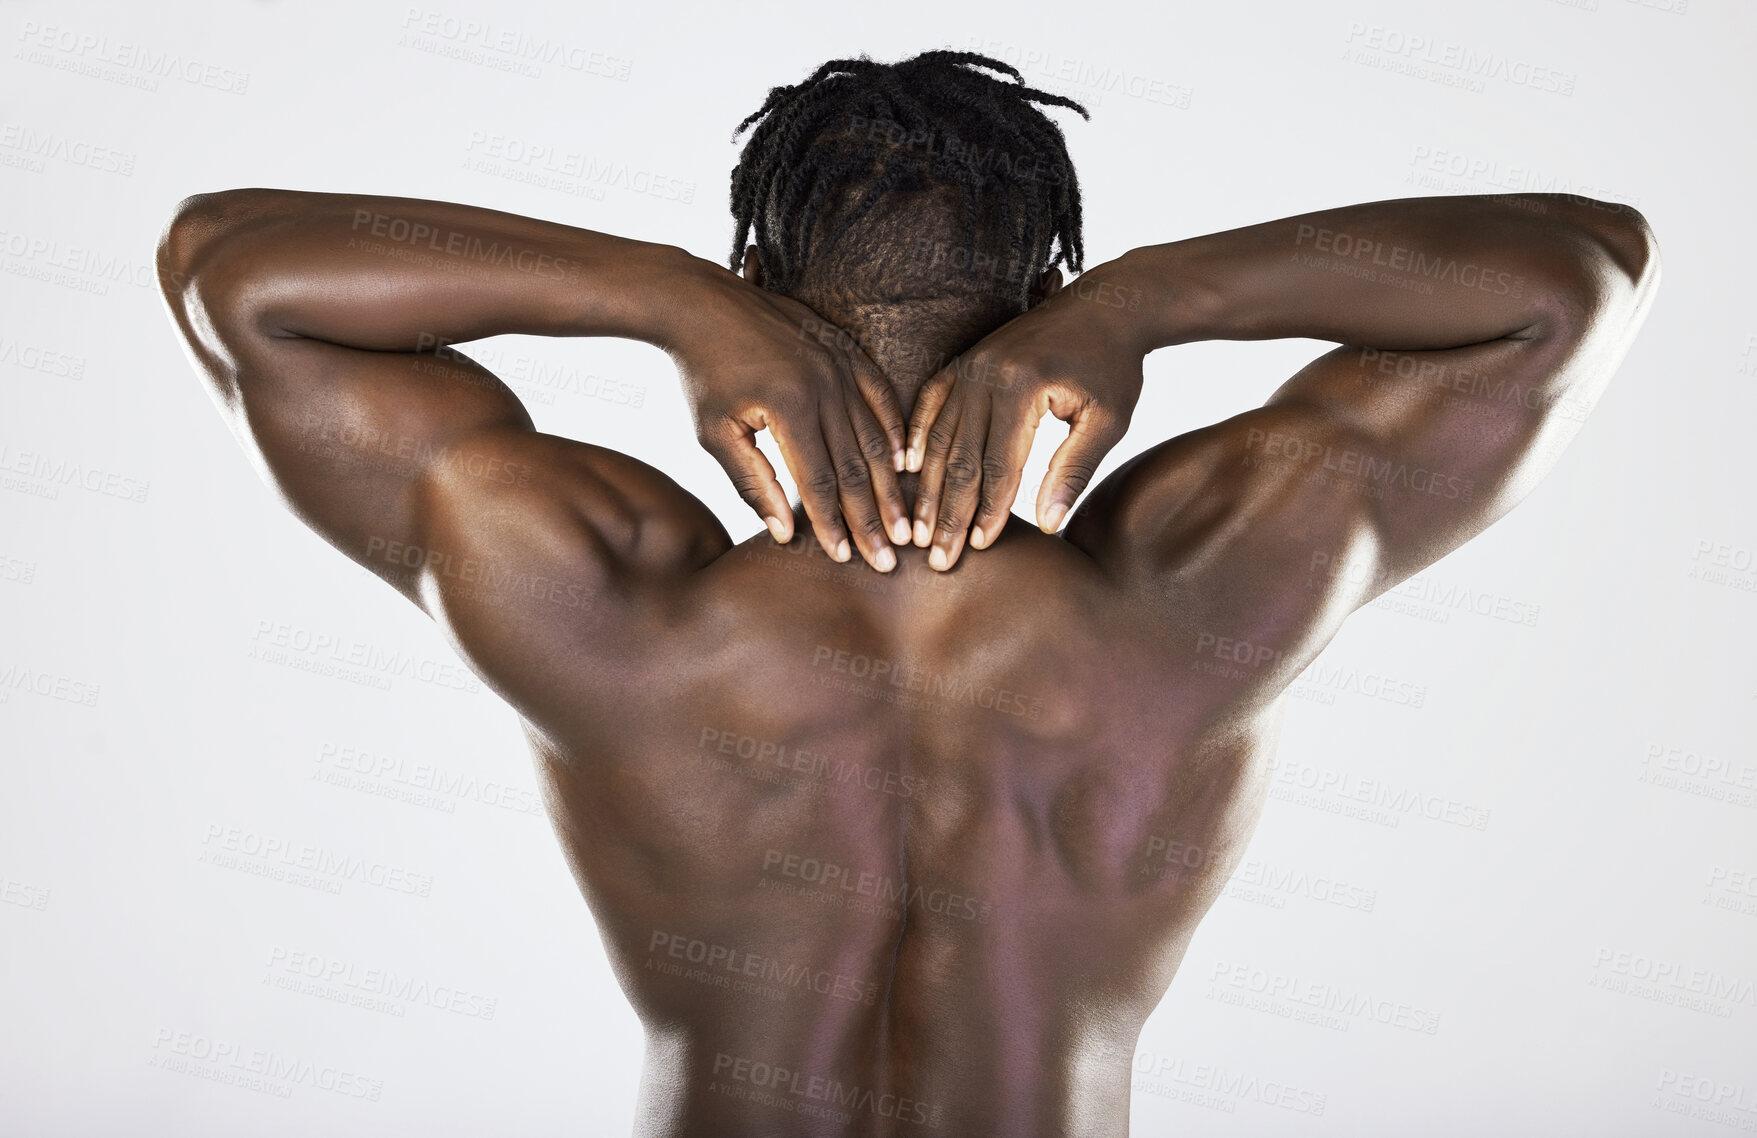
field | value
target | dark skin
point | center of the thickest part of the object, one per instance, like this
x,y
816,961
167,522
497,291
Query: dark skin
x,y
903,850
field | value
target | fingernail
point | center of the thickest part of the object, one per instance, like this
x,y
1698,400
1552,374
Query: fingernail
x,y
922,534
900,531
976,536
1056,510
775,531
886,560
900,459
842,550
937,558
915,458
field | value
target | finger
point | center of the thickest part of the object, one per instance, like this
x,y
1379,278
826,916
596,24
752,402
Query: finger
x,y
815,475
928,401
880,398
1091,435
1010,436
935,444
855,488
735,449
961,487
881,462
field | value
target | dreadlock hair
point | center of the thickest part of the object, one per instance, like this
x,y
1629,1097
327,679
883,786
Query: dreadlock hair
x,y
930,182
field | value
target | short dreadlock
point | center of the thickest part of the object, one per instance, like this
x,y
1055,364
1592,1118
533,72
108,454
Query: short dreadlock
x,y
912,139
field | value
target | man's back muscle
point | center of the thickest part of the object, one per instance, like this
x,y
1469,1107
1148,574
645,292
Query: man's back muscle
x,y
931,840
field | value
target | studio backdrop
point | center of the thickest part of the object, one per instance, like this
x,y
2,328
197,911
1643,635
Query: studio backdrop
x,y
272,859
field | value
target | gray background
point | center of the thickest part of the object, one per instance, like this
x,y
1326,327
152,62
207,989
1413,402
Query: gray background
x,y
1585,668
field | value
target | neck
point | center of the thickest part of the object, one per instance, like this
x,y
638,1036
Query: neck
x,y
912,339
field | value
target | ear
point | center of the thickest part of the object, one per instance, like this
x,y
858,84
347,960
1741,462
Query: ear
x,y
753,267
1047,285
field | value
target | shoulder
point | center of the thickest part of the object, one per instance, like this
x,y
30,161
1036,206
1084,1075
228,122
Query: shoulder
x,y
1252,486
530,500
549,563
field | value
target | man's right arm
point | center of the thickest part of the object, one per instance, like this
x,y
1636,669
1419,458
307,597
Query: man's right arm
x,y
1477,332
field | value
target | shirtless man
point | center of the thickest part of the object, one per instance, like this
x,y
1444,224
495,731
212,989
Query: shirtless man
x,y
885,835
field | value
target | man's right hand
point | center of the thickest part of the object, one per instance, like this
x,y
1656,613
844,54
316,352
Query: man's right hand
x,y
1074,357
751,359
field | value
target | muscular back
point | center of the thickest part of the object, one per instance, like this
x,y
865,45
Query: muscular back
x,y
919,850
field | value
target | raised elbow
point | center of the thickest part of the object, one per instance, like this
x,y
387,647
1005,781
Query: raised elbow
x,y
1627,240
197,225
1610,273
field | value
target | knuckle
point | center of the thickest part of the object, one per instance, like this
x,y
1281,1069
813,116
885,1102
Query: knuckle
x,y
1077,474
1009,374
940,435
749,486
822,482
851,471
875,446
962,466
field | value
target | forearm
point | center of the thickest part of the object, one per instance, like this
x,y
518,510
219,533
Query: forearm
x,y
1410,274
406,274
